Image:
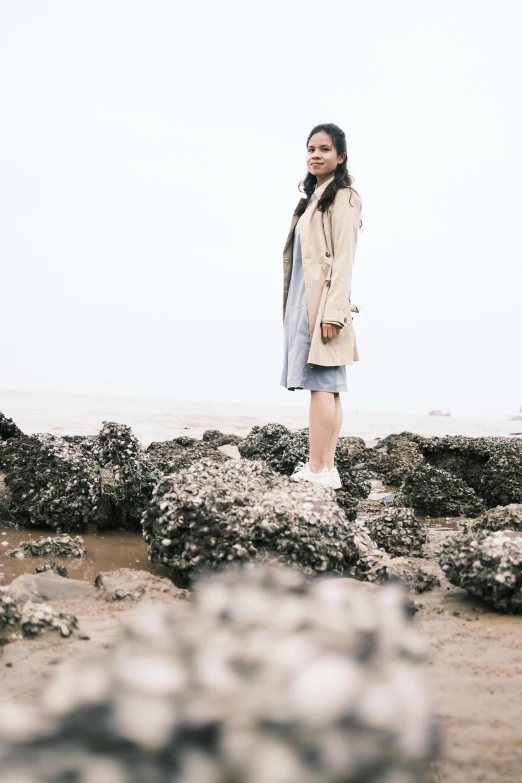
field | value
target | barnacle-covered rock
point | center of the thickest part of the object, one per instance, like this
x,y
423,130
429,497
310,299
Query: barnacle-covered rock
x,y
264,677
217,438
348,503
416,573
85,443
500,518
271,444
52,484
171,456
52,566
434,492
8,429
488,565
394,457
118,450
492,466
53,546
5,499
212,514
397,531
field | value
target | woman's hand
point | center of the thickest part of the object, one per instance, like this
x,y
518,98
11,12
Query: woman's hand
x,y
329,331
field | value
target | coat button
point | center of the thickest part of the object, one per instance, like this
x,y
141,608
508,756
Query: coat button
x,y
327,254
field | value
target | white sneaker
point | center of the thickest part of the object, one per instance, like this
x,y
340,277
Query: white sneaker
x,y
336,478
323,479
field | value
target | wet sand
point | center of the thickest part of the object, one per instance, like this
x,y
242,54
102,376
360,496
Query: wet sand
x,y
474,667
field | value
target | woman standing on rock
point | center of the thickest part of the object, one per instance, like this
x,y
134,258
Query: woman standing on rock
x,y
319,340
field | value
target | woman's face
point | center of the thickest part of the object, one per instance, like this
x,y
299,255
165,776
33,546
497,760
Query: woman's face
x,y
321,157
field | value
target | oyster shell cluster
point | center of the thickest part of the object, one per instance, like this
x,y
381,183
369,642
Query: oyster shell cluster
x,y
53,546
212,514
264,677
488,565
27,620
398,531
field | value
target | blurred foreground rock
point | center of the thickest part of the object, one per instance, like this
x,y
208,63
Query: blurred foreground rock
x,y
264,678
213,514
488,565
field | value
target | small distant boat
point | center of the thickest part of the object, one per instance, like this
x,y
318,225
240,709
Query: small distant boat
x,y
438,412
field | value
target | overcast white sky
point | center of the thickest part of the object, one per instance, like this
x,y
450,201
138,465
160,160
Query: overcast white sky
x,y
150,154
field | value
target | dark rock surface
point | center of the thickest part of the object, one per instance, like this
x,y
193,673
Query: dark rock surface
x,y
397,531
8,428
52,484
126,584
217,438
264,678
434,492
172,456
213,514
488,565
54,546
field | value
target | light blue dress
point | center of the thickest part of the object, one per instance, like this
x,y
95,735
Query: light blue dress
x,y
297,373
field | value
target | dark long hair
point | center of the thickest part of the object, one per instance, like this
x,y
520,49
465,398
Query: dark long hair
x,y
342,179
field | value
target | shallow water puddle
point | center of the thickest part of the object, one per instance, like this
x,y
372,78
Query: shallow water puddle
x,y
106,552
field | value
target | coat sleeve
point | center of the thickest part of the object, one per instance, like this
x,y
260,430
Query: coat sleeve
x,y
346,218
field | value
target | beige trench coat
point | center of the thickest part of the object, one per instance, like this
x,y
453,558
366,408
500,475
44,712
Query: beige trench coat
x,y
328,242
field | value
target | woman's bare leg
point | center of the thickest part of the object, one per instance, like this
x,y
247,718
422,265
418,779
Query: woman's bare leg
x,y
330,456
323,425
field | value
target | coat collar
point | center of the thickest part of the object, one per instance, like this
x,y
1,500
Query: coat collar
x,y
318,192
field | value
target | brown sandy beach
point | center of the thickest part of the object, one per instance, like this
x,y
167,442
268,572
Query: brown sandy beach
x,y
474,665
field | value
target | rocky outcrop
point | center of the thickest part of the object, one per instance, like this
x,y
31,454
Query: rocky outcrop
x,y
57,546
264,677
27,620
52,484
394,457
171,456
434,492
119,451
500,518
216,438
213,514
8,428
397,531
488,565
52,566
